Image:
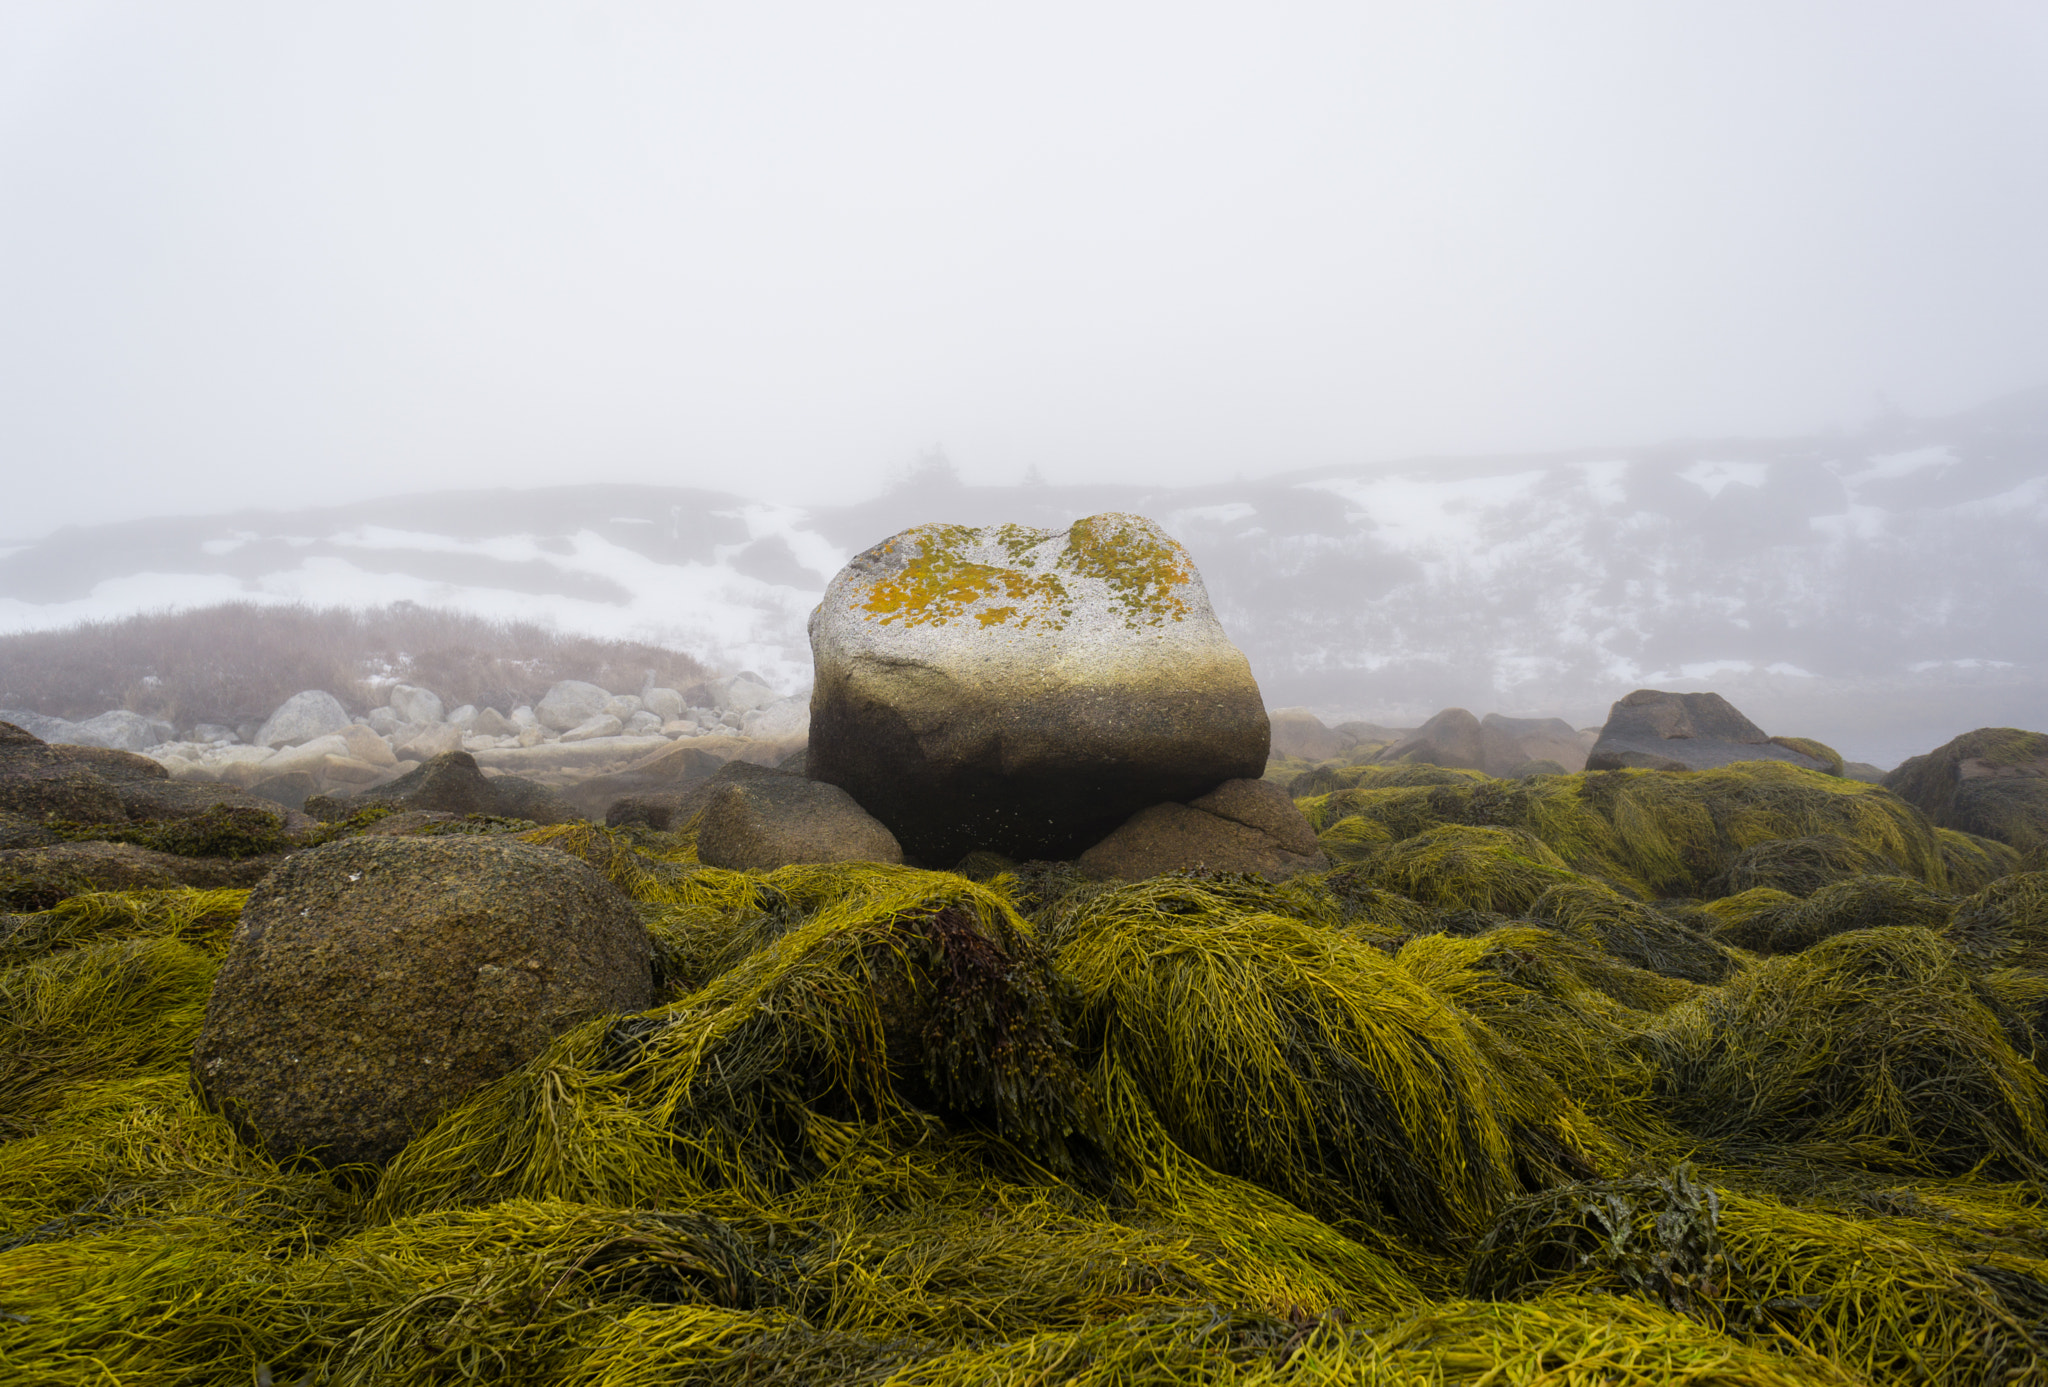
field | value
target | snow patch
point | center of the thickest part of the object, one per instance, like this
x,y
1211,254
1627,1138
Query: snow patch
x,y
1715,477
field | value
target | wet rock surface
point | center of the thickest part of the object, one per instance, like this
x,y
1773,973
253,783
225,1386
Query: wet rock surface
x,y
374,981
775,820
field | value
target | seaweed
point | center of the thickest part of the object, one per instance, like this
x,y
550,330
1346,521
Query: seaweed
x,y
1523,1090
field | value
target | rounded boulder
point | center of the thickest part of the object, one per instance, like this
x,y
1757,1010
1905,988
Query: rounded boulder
x,y
1025,691
373,982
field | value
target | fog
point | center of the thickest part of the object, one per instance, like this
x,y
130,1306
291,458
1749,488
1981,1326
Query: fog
x,y
259,255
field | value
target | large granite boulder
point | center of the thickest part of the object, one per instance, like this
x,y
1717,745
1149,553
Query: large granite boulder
x,y
1025,691
375,981
301,718
1452,738
1659,731
1241,826
777,820
1507,745
1992,782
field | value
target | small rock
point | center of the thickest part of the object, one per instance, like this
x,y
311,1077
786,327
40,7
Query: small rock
x,y
642,724
776,820
742,694
434,741
291,789
122,731
786,719
212,733
1179,837
666,704
1301,734
308,756
415,705
523,717
301,718
1452,738
1510,744
571,703
366,745
603,725
492,723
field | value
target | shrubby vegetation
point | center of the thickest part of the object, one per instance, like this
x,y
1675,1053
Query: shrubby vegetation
x,y
238,661
1628,1077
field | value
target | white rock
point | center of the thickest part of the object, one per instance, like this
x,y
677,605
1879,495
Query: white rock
x,y
666,704
642,723
603,725
784,720
523,715
310,757
566,755
39,725
623,706
301,718
121,730
679,727
740,694
472,741
464,718
492,723
212,732
531,736
348,770
385,720
570,704
415,704
432,742
365,745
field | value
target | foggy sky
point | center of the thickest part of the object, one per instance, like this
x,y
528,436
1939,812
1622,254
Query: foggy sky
x,y
263,254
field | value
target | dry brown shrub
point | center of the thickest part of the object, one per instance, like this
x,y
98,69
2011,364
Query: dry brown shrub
x,y
238,661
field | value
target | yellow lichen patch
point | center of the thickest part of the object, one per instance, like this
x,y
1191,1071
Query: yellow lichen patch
x,y
1143,573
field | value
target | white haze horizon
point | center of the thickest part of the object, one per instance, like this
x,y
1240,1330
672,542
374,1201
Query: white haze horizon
x,y
254,256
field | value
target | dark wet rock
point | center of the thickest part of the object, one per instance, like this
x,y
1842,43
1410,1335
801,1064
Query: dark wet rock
x,y
453,784
55,790
292,789
100,866
1024,691
666,772
1261,805
373,982
20,831
1654,730
1992,782
775,820
669,812
1180,838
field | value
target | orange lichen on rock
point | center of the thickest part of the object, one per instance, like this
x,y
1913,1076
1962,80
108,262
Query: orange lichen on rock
x,y
941,576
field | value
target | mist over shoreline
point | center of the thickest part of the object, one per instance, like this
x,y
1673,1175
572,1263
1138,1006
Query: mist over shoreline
x,y
1873,589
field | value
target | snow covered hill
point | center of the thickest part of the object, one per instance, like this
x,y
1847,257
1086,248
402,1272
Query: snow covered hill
x,y
1883,589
